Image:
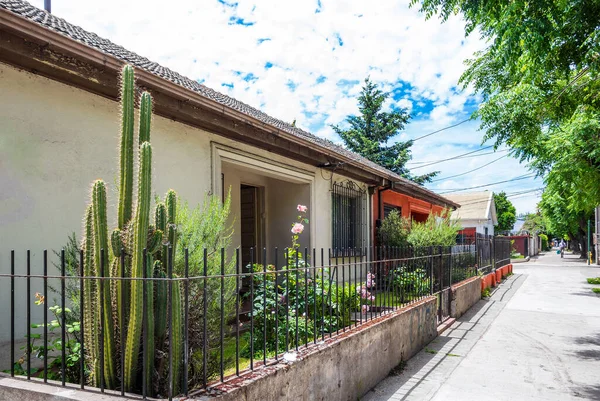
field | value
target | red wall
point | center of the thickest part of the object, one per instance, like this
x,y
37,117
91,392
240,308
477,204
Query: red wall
x,y
519,244
412,208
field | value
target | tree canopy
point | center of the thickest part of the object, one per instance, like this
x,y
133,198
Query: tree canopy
x,y
538,77
506,213
535,223
368,134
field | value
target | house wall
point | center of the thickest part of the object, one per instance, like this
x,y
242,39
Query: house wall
x,y
56,139
478,225
412,208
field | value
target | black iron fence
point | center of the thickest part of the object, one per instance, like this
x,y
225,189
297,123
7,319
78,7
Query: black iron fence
x,y
203,327
502,250
492,252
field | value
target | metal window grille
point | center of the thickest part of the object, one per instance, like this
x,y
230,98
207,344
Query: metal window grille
x,y
349,216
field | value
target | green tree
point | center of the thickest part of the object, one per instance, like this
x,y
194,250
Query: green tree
x,y
535,222
369,133
436,230
538,77
505,211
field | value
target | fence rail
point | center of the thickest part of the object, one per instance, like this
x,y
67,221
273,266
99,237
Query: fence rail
x,y
216,317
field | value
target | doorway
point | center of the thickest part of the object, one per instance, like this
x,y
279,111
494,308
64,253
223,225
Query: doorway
x,y
251,225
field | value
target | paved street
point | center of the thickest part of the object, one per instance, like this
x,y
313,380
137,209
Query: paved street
x,y
536,338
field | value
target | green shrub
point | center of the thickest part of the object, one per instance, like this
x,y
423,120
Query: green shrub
x,y
285,303
410,284
54,348
394,230
436,230
486,293
203,227
594,280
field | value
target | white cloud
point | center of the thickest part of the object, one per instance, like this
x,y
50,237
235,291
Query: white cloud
x,y
319,61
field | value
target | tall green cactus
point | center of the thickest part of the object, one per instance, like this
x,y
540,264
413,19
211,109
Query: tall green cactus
x,y
149,329
176,335
160,306
133,234
100,235
145,117
160,286
126,161
91,320
171,206
140,227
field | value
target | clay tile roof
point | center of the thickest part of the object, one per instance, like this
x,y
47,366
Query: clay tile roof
x,y
50,21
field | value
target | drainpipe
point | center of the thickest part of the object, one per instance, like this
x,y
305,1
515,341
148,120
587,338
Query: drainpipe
x,y
380,205
380,200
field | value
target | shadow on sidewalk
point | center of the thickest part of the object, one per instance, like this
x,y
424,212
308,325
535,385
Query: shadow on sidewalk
x,y
424,363
588,392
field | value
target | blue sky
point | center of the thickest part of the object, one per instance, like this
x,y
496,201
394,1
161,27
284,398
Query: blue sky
x,y
306,61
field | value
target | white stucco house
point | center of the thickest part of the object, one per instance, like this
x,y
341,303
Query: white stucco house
x,y
477,212
59,87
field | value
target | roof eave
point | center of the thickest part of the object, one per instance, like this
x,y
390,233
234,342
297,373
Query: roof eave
x,y
417,191
40,34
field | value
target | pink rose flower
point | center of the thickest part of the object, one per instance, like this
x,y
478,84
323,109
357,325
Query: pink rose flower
x,y
365,308
302,208
297,228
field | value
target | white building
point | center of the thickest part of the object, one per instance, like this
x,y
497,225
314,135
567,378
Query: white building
x,y
477,212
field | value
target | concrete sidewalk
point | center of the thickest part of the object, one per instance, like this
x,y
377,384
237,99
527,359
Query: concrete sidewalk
x,y
536,338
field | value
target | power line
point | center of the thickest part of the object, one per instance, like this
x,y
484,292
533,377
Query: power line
x,y
516,194
453,158
470,171
463,156
523,177
442,129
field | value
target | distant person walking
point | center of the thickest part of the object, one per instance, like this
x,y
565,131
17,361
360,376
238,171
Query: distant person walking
x,y
562,247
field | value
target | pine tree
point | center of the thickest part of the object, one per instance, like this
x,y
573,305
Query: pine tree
x,y
370,132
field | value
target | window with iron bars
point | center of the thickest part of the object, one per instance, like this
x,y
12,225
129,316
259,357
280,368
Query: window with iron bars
x,y
349,218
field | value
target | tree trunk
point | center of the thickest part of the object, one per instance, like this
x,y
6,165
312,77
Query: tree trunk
x,y
575,245
583,245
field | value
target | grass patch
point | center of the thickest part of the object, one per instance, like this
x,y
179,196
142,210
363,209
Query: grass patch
x,y
450,354
486,293
596,290
593,280
397,371
229,356
430,351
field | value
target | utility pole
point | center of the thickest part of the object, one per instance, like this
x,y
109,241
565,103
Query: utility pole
x,y
589,249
